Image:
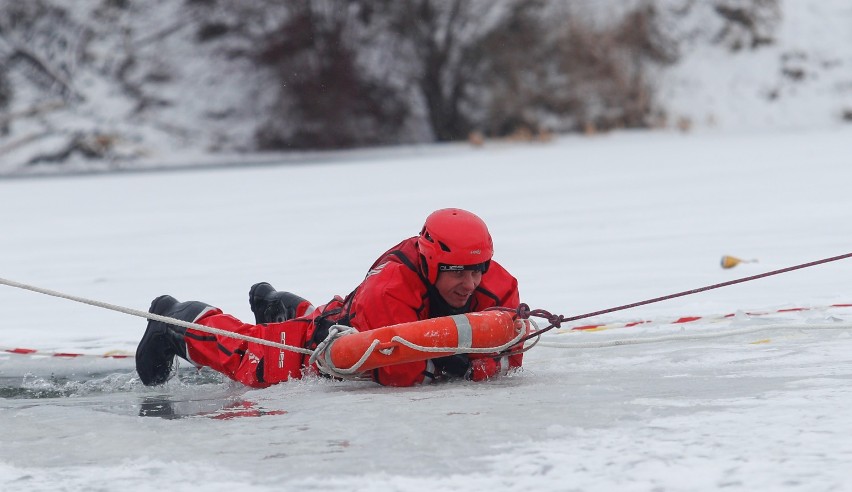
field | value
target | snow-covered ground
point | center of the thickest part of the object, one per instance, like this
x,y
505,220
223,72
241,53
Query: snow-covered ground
x,y
750,402
203,103
803,80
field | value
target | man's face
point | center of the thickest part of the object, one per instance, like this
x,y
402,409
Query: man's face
x,y
457,287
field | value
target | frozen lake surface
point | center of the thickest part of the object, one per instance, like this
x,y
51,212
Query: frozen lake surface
x,y
754,401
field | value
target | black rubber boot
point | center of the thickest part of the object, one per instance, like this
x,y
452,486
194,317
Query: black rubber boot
x,y
162,342
272,306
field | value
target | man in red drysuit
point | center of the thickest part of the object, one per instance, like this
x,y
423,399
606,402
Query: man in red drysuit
x,y
446,270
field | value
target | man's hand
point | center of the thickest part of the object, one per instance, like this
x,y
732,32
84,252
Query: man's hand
x,y
457,366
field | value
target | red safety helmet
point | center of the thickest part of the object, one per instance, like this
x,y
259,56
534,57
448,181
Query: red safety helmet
x,y
454,239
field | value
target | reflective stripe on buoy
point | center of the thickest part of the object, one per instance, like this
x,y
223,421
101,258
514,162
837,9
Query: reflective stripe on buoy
x,y
464,330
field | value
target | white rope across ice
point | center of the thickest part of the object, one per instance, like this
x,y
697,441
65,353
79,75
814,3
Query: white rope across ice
x,y
341,331
324,362
156,317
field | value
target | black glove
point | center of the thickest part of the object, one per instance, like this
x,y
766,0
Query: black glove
x,y
457,366
322,325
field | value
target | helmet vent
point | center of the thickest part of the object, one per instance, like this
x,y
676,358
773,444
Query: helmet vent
x,y
444,246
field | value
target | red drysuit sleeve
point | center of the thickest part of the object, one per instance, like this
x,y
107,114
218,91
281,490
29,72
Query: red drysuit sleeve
x,y
387,298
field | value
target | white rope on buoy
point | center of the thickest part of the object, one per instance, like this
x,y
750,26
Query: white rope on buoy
x,y
322,358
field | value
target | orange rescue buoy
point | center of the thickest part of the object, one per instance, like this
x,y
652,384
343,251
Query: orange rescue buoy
x,y
480,330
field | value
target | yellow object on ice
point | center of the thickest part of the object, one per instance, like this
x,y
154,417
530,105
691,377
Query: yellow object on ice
x,y
732,261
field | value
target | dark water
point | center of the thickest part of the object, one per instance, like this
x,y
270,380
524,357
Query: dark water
x,y
190,393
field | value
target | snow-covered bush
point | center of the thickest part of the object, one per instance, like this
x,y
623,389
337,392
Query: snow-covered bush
x,y
747,24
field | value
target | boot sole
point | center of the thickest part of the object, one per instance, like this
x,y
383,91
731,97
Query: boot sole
x,y
161,304
158,306
254,298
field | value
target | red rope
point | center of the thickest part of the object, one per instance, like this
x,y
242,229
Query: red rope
x,y
556,320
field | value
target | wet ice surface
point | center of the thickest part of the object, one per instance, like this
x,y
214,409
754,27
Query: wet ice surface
x,y
761,406
738,412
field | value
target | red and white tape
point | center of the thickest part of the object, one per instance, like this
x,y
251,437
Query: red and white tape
x,y
117,354
690,319
113,354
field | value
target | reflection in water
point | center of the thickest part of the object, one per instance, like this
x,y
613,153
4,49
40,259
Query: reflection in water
x,y
221,409
193,394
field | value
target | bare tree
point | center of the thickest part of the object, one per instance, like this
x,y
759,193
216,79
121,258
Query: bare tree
x,y
446,46
40,40
6,95
364,72
606,70
6,92
327,98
